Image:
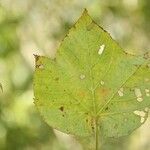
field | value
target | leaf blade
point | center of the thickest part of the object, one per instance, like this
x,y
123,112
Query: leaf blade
x,y
84,79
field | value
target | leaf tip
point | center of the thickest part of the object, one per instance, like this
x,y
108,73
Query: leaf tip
x,y
85,12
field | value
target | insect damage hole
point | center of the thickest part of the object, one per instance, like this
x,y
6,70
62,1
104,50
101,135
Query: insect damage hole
x,y
147,91
120,92
102,82
141,114
146,109
138,94
101,49
82,76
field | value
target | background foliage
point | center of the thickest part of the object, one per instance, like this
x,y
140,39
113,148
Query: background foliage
x,y
37,27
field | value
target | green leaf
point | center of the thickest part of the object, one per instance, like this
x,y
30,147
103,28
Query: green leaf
x,y
92,87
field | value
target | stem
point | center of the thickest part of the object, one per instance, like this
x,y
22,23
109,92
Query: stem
x,y
96,135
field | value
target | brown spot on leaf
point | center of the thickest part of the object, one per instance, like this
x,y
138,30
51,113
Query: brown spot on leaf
x,y
81,94
106,108
61,108
56,79
92,127
86,120
91,122
103,92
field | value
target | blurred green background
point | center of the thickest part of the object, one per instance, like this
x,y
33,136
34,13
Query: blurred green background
x,y
30,27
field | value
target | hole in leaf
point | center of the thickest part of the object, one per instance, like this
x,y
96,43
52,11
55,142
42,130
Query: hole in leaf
x,y
102,82
147,91
138,94
82,76
120,92
139,99
101,49
146,109
141,114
